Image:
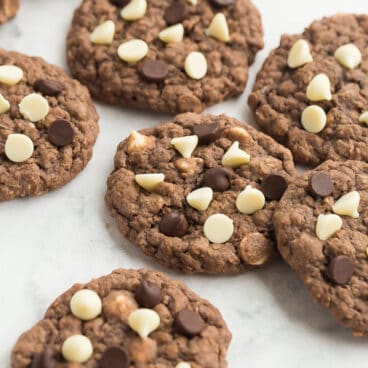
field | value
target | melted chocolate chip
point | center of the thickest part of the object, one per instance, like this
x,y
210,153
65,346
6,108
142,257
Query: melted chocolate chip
x,y
148,294
217,178
320,184
174,224
115,357
273,186
189,323
60,133
207,133
49,87
176,12
340,269
155,70
120,2
222,3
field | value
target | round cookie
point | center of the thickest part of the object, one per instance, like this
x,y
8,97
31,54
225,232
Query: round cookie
x,y
8,9
182,55
128,318
321,226
198,193
48,126
312,91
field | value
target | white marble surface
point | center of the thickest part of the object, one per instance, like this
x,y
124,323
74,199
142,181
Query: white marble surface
x,y
48,243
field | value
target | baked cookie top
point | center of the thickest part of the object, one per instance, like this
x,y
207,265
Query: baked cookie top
x,y
312,91
198,193
164,55
321,226
128,318
8,9
48,126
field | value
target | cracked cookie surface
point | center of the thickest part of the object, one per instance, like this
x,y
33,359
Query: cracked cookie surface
x,y
177,225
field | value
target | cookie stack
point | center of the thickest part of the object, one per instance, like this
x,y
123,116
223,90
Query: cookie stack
x,y
199,193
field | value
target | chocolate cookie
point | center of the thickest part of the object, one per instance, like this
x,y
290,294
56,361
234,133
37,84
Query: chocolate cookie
x,y
126,319
164,55
48,126
198,193
312,91
8,9
321,225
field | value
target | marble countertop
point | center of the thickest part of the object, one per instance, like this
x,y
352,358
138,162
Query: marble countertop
x,y
51,242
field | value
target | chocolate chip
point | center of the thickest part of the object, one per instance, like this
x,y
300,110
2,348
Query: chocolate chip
x,y
340,270
155,70
273,186
176,12
60,133
43,359
115,357
148,294
174,224
48,87
217,179
222,3
188,323
207,133
320,184
120,2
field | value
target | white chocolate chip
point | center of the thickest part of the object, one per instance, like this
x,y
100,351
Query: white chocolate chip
x,y
136,9
314,119
18,147
132,51
200,198
183,365
192,2
364,118
4,104
10,74
138,142
218,28
327,225
348,56
149,181
185,145
86,304
104,33
348,205
250,200
172,34
218,228
319,88
299,54
196,65
34,107
144,321
77,349
235,156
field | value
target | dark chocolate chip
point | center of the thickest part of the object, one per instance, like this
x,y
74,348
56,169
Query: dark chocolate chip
x,y
48,87
189,323
273,186
43,359
155,70
120,2
340,269
115,357
176,12
60,133
217,178
174,224
222,3
207,133
148,294
320,184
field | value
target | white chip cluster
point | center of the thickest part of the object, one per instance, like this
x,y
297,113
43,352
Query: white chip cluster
x,y
313,117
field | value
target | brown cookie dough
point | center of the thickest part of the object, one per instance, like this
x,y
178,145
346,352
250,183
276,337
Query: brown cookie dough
x,y
159,81
207,233
8,9
123,306
321,226
48,126
279,96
